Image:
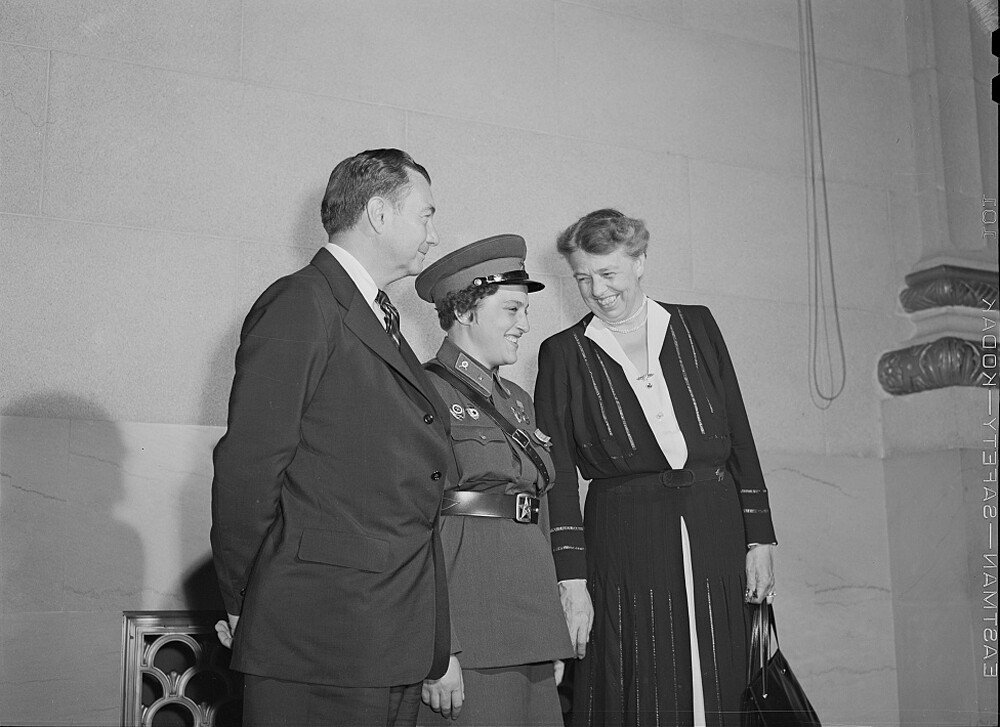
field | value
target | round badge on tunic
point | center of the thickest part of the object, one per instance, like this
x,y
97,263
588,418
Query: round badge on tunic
x,y
473,412
457,411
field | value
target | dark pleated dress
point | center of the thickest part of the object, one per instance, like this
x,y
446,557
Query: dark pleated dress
x,y
638,665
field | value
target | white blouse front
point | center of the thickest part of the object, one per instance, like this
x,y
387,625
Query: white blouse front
x,y
650,387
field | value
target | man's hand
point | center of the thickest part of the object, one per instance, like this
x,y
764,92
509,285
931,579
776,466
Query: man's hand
x,y
579,612
445,695
227,630
559,666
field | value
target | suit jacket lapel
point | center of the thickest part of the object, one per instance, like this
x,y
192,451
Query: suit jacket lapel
x,y
362,321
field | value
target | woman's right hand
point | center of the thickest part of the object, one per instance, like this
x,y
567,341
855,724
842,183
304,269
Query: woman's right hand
x,y
445,695
579,612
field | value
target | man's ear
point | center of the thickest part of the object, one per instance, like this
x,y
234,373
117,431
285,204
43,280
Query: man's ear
x,y
376,212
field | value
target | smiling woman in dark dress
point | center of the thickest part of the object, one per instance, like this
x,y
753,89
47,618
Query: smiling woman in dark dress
x,y
641,398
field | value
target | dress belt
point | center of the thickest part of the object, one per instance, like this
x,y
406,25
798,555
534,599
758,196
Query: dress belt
x,y
522,507
666,478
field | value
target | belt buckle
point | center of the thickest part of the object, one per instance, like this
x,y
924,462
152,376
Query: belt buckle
x,y
525,511
521,438
670,479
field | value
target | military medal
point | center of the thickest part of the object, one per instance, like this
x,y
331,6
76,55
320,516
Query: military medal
x,y
458,412
519,413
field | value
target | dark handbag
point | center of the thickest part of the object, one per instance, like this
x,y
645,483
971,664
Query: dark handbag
x,y
774,697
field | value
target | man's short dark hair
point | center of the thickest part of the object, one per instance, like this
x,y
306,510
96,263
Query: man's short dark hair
x,y
372,173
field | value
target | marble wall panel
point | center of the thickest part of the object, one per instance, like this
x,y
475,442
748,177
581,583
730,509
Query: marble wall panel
x,y
936,678
858,32
33,520
905,229
157,149
952,38
185,35
861,246
23,86
851,422
925,498
940,419
452,58
652,186
490,179
112,322
867,126
60,669
678,75
772,22
129,528
748,233
834,602
670,12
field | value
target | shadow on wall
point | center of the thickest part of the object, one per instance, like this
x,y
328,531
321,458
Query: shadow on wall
x,y
67,544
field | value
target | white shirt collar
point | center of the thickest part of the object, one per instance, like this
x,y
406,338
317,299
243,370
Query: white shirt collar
x,y
361,277
657,321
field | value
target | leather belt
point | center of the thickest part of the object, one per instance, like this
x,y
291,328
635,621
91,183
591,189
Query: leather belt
x,y
522,508
667,478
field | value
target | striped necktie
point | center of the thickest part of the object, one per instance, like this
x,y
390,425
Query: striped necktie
x,y
391,316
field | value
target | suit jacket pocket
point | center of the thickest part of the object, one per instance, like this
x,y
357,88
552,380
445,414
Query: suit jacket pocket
x,y
350,550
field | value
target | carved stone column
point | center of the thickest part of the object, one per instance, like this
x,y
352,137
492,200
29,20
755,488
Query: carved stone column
x,y
939,415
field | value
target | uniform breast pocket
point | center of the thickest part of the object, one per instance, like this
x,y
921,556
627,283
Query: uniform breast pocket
x,y
481,435
483,452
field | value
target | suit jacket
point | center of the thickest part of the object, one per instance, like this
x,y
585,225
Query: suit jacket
x,y
585,403
327,489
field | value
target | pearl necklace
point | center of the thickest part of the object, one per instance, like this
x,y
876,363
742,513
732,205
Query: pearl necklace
x,y
616,327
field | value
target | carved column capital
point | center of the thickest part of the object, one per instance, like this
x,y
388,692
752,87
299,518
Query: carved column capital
x,y
948,361
948,285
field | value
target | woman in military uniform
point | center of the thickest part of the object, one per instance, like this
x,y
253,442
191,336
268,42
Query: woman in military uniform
x,y
508,630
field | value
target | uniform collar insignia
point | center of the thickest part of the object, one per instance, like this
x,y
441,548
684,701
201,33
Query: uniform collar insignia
x,y
454,358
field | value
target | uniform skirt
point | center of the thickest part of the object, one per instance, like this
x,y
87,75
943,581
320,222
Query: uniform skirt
x,y
512,696
638,668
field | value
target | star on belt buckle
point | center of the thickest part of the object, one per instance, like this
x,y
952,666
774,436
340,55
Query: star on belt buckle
x,y
525,510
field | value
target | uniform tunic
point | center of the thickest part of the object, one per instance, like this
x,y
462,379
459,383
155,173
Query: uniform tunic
x,y
638,665
505,606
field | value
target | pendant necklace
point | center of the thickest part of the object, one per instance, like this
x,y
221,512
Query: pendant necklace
x,y
648,376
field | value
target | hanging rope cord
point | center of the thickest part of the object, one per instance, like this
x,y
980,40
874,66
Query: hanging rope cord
x,y
822,284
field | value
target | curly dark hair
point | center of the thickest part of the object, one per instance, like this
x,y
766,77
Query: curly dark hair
x,y
459,302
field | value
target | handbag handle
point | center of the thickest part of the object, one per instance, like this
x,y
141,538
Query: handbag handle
x,y
760,641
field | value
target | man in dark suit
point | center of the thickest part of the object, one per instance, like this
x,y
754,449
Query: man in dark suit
x,y
329,479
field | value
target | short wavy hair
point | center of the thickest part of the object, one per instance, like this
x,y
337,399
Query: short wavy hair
x,y
372,173
602,232
460,302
